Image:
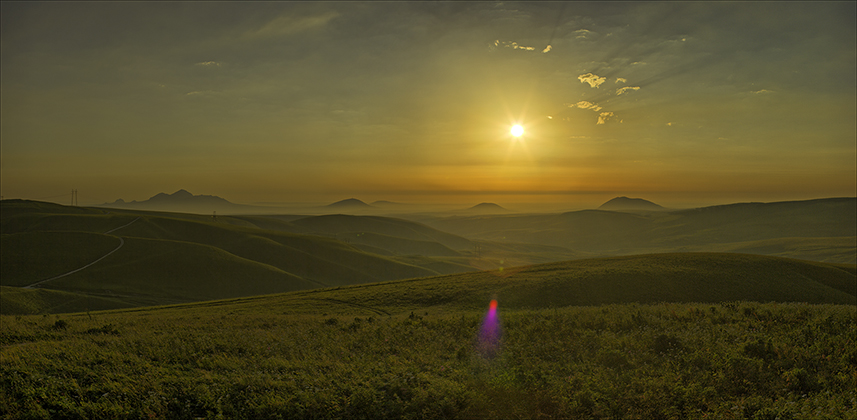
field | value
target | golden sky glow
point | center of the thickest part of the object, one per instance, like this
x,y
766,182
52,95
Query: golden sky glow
x,y
700,102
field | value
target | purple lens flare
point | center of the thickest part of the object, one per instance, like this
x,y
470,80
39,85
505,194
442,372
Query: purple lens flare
x,y
489,335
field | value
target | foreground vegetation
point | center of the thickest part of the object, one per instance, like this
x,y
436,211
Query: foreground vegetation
x,y
281,357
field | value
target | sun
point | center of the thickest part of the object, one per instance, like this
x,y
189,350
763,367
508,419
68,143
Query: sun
x,y
517,130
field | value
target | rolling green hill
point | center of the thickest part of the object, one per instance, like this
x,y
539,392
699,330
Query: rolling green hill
x,y
33,256
339,223
18,300
686,277
147,258
158,258
821,230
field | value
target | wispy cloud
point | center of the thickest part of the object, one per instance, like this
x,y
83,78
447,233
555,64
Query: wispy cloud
x,y
288,24
622,90
763,91
582,33
621,80
593,79
515,46
604,116
202,93
548,48
587,105
208,64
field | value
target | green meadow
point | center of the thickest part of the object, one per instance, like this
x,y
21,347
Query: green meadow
x,y
653,336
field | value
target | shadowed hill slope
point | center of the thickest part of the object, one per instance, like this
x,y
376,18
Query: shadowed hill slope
x,y
150,258
340,224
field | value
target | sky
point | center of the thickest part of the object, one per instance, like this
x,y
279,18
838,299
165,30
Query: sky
x,y
693,103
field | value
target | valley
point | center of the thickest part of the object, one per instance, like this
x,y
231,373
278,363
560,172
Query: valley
x,y
83,258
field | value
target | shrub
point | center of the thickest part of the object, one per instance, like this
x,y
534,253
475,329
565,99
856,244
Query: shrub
x,y
760,349
667,344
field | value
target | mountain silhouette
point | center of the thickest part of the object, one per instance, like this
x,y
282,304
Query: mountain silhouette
x,y
625,203
181,200
351,203
487,208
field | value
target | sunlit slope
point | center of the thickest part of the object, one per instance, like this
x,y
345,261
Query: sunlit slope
x,y
786,226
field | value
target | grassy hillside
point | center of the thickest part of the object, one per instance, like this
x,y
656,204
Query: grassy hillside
x,y
412,348
835,250
619,280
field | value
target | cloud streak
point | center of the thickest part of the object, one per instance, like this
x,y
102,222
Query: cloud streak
x,y
288,24
626,89
587,105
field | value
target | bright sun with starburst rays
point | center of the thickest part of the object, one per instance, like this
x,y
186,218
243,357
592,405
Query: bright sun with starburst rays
x,y
517,130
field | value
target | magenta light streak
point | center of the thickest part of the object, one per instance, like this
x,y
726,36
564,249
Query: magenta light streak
x,y
489,336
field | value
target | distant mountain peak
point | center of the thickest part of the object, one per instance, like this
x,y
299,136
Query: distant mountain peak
x,y
487,208
350,202
181,197
625,203
181,194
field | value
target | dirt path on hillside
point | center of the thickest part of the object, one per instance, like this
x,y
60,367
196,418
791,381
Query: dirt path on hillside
x,y
121,243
